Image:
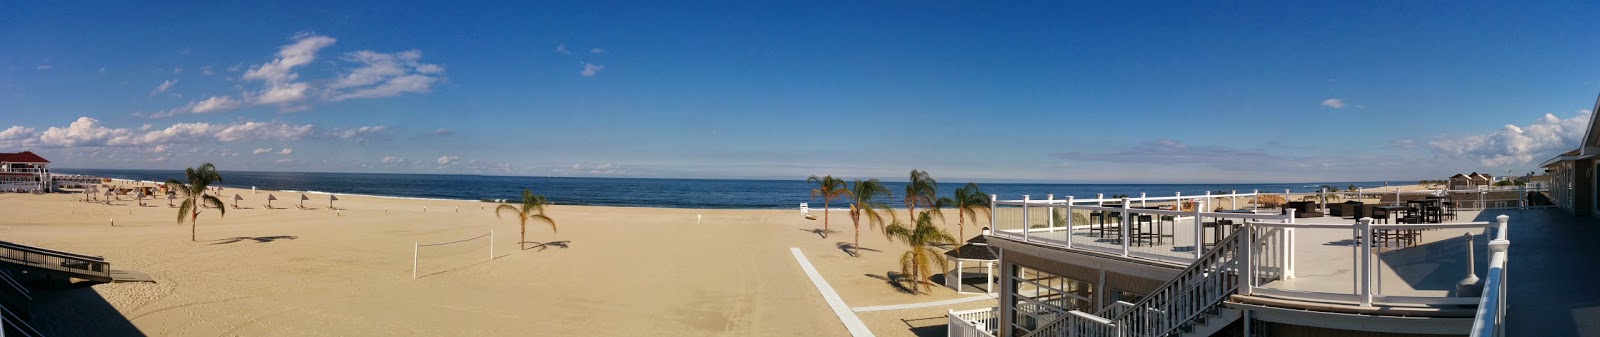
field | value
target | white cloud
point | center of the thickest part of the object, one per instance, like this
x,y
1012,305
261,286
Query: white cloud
x,y
591,69
214,104
208,70
161,148
301,52
177,70
392,160
17,133
261,151
1333,103
83,132
597,51
45,67
443,132
284,161
446,160
358,133
286,151
1518,145
163,87
562,49
384,75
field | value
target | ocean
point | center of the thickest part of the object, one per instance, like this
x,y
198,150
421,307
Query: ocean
x,y
648,192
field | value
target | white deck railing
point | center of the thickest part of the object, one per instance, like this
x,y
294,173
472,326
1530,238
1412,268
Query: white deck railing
x,y
1491,315
1366,280
1087,224
1469,199
973,323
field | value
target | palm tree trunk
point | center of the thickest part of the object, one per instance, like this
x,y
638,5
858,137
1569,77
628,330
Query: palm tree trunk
x,y
825,216
961,229
856,249
523,242
192,218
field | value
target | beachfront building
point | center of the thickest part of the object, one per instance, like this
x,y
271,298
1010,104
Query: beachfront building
x,y
1155,266
1573,185
25,172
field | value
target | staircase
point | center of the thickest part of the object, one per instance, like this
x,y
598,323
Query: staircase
x,y
14,300
52,263
1187,305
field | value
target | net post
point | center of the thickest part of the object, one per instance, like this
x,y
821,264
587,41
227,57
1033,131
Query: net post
x,y
491,244
414,247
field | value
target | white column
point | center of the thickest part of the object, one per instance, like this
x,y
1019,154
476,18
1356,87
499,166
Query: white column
x,y
1141,199
1126,221
1199,230
1324,193
1247,270
1069,222
1025,218
415,246
1233,199
491,244
992,214
1365,269
1099,199
1050,200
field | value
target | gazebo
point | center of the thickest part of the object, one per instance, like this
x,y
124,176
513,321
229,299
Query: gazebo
x,y
977,253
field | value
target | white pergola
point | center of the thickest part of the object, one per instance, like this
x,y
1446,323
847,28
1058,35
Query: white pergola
x,y
978,251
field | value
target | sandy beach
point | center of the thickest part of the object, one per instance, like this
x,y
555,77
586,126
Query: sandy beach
x,y
622,271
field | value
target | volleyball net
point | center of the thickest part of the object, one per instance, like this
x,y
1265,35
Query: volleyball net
x,y
442,256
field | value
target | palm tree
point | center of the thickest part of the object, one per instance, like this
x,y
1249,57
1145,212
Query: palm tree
x,y
916,262
828,188
968,201
194,194
864,195
532,208
924,191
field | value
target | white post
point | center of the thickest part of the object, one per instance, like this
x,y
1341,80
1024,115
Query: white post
x,y
1126,221
1255,202
491,244
1247,271
1324,194
1397,196
1206,203
1069,222
1481,205
1233,199
1099,199
1026,220
1141,199
1365,270
1359,194
1199,229
1050,201
414,247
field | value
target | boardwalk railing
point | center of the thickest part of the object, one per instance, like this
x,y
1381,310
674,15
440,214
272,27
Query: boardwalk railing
x,y
92,268
973,323
1366,281
1491,315
1170,229
15,297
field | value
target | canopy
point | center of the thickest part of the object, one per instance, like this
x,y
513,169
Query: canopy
x,y
271,197
108,193
236,197
304,197
332,198
139,195
171,196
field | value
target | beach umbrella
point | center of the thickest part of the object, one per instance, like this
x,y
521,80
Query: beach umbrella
x,y
331,199
236,199
270,198
170,198
303,199
108,197
140,196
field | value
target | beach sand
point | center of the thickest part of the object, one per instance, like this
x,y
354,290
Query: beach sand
x,y
623,271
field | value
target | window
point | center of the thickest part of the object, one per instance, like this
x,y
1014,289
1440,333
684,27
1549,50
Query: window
x,y
1041,297
1126,296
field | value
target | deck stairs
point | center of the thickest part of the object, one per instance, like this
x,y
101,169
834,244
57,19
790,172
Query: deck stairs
x,y
1188,305
30,263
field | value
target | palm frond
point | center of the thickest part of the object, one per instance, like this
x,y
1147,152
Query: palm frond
x,y
215,202
498,210
183,210
546,219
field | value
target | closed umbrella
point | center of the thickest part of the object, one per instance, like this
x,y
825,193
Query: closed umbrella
x,y
303,199
236,199
270,198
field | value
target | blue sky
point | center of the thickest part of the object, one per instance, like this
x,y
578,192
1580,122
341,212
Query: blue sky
x,y
1245,92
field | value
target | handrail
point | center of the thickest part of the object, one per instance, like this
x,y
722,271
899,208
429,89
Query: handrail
x,y
21,325
1490,318
83,265
1201,286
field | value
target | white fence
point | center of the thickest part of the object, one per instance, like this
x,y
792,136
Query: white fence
x,y
973,323
1491,316
1172,229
